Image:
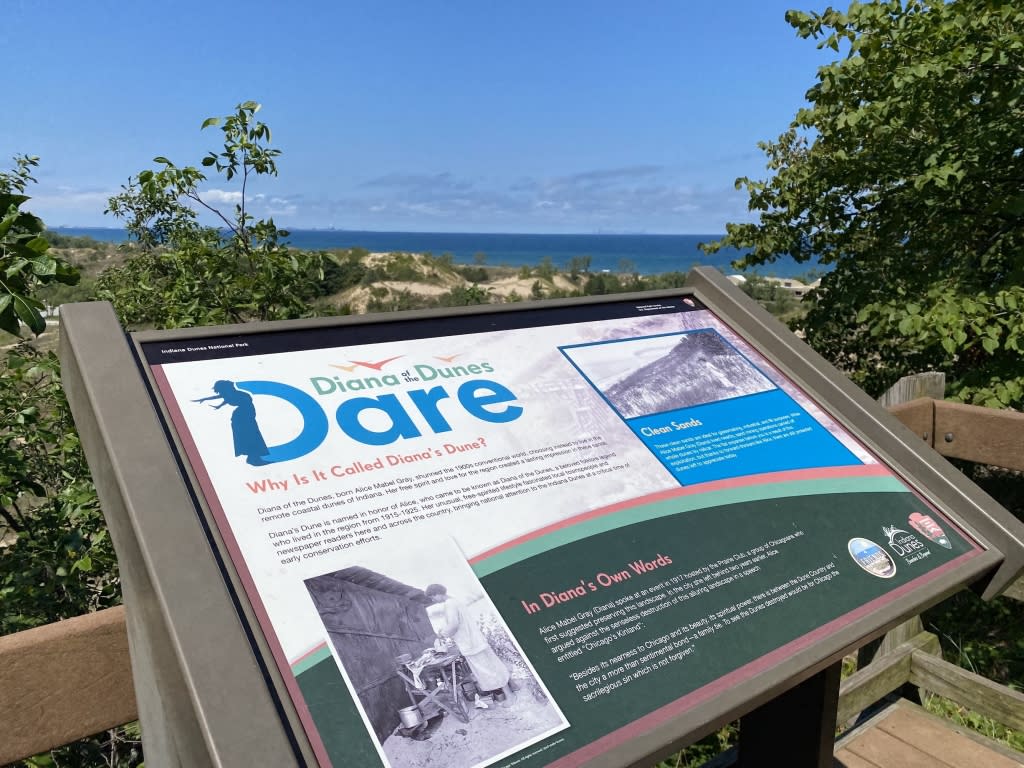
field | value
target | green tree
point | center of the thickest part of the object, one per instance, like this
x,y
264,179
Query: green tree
x,y
578,265
190,274
771,294
905,173
603,283
25,263
343,269
545,269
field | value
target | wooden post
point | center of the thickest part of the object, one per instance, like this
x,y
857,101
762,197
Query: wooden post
x,y
931,384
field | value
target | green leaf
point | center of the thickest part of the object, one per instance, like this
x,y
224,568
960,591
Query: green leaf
x,y
1014,205
16,267
37,244
9,321
28,312
8,201
210,121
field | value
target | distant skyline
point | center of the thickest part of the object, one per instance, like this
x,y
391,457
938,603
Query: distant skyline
x,y
449,117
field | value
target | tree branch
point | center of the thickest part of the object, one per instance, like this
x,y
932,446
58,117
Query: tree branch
x,y
207,206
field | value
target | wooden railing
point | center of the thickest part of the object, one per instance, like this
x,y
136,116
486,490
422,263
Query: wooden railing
x,y
72,679
917,662
63,682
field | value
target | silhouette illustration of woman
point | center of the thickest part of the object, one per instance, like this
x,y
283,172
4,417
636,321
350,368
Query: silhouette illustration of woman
x,y
248,439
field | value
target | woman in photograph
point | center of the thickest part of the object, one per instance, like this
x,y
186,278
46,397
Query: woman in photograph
x,y
453,621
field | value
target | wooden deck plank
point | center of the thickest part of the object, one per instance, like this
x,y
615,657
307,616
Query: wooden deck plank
x,y
887,751
904,735
847,759
941,741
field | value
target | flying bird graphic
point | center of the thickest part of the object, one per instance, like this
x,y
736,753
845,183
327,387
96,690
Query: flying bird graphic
x,y
346,368
447,359
375,366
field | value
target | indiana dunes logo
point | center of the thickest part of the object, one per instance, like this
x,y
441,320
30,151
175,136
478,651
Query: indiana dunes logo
x,y
903,543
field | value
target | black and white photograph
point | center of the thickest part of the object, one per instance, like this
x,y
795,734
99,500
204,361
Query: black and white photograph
x,y
654,374
434,669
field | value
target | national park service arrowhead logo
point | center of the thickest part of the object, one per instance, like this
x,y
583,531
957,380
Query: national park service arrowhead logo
x,y
927,527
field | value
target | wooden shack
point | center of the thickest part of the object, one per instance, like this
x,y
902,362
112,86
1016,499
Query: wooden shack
x,y
372,619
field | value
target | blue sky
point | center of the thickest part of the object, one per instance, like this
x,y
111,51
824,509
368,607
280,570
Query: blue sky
x,y
553,116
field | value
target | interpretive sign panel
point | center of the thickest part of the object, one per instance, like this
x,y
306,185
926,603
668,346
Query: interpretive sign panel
x,y
558,527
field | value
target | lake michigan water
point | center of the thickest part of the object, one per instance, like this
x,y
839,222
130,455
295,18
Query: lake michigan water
x,y
647,254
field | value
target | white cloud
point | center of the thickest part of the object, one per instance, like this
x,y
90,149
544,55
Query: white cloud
x,y
222,196
64,205
67,198
626,198
285,209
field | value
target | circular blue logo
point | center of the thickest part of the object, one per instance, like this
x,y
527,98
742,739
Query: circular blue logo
x,y
872,558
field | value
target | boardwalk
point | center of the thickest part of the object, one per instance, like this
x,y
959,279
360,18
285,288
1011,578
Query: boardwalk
x,y
905,736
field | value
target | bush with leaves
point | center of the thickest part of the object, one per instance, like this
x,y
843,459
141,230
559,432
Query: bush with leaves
x,y
25,264
904,172
770,294
59,561
56,558
189,274
342,270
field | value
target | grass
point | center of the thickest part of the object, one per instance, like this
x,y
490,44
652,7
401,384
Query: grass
x,y
963,717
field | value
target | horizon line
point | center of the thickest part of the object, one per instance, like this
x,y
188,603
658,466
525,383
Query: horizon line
x,y
440,232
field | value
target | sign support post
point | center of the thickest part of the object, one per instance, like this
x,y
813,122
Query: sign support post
x,y
797,727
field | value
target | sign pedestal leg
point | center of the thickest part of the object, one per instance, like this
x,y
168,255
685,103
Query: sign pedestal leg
x,y
797,728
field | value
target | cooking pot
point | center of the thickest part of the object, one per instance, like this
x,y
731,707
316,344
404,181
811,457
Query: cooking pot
x,y
410,716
